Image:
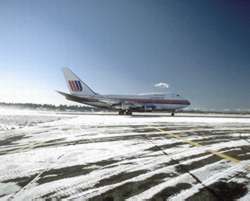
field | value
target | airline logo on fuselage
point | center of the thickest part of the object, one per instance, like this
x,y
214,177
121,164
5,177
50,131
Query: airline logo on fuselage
x,y
75,85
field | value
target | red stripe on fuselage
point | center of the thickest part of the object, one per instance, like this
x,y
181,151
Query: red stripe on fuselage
x,y
71,86
159,101
74,85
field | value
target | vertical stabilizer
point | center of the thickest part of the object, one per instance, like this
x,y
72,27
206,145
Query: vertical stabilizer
x,y
76,85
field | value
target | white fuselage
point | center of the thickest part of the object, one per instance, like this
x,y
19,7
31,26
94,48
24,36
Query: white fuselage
x,y
141,102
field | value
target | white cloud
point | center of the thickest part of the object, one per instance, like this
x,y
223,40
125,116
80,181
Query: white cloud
x,y
161,85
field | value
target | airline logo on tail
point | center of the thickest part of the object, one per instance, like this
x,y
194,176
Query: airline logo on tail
x,y
75,85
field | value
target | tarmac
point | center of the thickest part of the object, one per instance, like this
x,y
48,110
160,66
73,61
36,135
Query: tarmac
x,y
103,156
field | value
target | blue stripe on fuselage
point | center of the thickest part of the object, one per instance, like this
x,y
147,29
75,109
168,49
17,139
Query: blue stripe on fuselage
x,y
80,85
77,85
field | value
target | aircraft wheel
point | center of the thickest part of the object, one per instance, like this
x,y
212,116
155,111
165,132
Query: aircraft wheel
x,y
172,114
121,112
128,112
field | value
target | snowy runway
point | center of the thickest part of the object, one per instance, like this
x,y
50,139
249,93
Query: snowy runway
x,y
109,157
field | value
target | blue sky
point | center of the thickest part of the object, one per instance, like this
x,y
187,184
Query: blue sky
x,y
200,48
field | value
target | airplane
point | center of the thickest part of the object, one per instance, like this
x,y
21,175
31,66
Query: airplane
x,y
124,104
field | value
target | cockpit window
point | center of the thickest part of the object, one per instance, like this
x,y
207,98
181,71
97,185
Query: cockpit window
x,y
178,95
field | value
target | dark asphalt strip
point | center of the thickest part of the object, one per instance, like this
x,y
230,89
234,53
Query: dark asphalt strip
x,y
217,196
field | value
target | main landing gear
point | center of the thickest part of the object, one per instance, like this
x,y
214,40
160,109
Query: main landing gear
x,y
172,114
125,112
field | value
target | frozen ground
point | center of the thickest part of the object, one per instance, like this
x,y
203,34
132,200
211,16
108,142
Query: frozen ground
x,y
109,157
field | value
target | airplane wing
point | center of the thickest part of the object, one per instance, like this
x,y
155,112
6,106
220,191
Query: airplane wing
x,y
108,102
126,105
117,103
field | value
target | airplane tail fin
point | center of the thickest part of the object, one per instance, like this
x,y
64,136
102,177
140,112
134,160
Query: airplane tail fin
x,y
76,85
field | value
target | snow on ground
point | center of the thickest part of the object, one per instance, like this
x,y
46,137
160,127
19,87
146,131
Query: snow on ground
x,y
47,155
